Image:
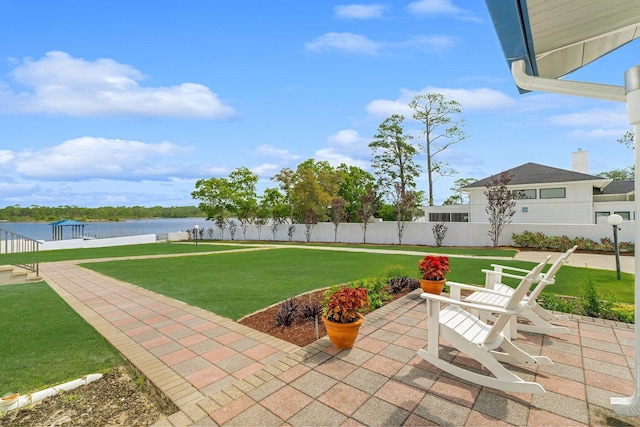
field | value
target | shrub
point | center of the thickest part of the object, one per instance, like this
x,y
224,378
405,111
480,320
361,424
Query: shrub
x,y
286,314
399,284
590,301
310,308
528,239
554,302
439,232
622,312
395,270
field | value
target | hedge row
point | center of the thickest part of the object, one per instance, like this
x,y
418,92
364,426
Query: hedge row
x,y
537,240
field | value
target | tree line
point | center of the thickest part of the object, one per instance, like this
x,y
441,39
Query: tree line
x,y
315,191
36,213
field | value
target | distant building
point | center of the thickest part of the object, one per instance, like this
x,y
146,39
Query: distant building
x,y
548,195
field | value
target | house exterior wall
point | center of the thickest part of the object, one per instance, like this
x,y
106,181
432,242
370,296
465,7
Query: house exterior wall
x,y
577,207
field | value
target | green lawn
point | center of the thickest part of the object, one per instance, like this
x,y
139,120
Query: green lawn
x,y
236,284
44,342
41,330
115,251
491,252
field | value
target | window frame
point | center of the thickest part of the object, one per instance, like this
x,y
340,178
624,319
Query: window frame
x,y
564,193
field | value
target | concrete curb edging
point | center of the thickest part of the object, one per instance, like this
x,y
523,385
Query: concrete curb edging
x,y
51,391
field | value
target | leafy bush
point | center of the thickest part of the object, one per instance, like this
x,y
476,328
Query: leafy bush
x,y
310,308
554,302
537,240
286,314
395,270
622,312
590,301
590,304
399,284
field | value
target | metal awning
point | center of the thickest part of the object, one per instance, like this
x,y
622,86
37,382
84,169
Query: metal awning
x,y
557,37
544,40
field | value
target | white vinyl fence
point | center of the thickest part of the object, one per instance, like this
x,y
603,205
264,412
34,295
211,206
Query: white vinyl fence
x,y
420,233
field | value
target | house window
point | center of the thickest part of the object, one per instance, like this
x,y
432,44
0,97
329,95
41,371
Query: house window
x,y
439,217
553,193
459,217
601,214
625,215
524,194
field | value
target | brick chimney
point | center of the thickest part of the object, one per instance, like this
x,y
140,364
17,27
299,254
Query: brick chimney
x,y
580,161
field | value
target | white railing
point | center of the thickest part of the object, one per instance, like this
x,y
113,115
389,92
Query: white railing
x,y
14,243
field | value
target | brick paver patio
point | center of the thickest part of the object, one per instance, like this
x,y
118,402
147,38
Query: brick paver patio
x,y
218,372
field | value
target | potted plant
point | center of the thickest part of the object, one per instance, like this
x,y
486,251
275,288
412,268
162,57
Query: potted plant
x,y
433,269
342,317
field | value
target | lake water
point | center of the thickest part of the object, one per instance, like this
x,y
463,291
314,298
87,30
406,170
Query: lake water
x,y
101,230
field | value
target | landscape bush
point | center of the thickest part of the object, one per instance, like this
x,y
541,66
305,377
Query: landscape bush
x,y
590,304
538,240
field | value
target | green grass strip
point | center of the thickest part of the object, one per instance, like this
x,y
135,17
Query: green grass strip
x,y
44,342
489,252
236,284
114,251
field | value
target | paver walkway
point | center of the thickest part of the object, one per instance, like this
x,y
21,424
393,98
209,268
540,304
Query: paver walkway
x,y
218,372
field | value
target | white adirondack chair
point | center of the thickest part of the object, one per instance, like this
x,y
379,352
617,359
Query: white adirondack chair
x,y
447,319
496,293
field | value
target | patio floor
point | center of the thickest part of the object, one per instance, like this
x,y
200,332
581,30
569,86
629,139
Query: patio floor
x,y
218,372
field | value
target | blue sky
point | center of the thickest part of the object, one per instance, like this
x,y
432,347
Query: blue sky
x,y
130,102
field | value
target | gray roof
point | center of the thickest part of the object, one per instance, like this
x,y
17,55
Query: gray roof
x,y
616,187
533,173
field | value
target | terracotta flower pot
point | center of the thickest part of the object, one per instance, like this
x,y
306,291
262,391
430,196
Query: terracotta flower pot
x,y
432,286
343,335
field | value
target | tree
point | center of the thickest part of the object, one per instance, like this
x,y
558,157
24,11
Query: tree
x,y
315,184
244,198
500,204
367,207
274,206
441,131
353,185
338,211
393,156
627,139
625,174
458,197
404,205
215,196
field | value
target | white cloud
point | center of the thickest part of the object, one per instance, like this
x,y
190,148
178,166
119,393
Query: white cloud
x,y
437,43
335,158
611,134
616,117
440,7
61,84
386,107
99,158
347,146
10,188
6,156
469,99
344,42
359,11
267,150
266,169
345,137
361,45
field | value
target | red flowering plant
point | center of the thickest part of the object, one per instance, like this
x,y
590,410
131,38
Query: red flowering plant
x,y
434,267
344,304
